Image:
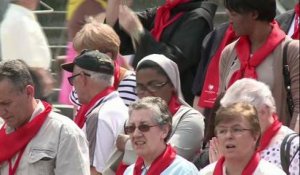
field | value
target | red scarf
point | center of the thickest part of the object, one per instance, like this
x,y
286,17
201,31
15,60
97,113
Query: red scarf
x,y
162,18
269,134
116,75
248,170
296,27
81,115
248,65
174,104
11,144
211,83
159,164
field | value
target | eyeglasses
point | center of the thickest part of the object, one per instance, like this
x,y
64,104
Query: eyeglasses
x,y
150,87
71,78
221,132
143,128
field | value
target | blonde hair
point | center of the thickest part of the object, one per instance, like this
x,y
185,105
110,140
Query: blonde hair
x,y
97,36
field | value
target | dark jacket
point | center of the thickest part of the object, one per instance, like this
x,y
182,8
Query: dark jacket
x,y
285,20
180,41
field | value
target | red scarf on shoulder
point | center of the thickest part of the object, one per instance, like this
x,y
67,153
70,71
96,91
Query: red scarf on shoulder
x,y
116,75
211,83
296,27
248,170
248,65
162,18
12,143
159,164
269,134
81,114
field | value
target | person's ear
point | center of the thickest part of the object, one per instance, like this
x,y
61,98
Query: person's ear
x,y
254,14
29,90
165,129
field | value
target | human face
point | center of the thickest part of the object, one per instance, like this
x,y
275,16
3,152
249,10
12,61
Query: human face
x,y
78,80
147,144
235,138
242,22
15,107
147,79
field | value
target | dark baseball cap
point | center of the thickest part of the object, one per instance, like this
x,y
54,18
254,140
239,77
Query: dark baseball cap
x,y
92,60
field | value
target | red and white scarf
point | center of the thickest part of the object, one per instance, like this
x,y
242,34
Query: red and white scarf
x,y
81,115
249,65
211,83
248,170
158,165
11,144
162,18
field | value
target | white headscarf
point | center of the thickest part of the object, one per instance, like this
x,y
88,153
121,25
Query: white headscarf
x,y
170,68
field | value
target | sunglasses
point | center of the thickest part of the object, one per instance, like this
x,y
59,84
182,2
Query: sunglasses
x,y
71,78
143,128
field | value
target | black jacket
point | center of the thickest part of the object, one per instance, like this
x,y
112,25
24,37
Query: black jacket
x,y
180,41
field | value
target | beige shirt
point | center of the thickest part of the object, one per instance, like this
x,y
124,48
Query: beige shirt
x,y
60,147
270,71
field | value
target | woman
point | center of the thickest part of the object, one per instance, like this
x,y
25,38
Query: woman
x,y
149,127
238,131
102,37
258,53
158,76
175,29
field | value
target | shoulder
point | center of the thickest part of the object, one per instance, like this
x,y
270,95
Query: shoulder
x,y
129,170
267,168
187,114
62,124
208,170
181,166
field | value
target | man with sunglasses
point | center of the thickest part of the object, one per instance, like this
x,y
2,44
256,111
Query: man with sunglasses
x,y
103,112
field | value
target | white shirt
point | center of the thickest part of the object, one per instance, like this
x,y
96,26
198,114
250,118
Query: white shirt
x,y
263,168
105,120
22,38
272,152
179,166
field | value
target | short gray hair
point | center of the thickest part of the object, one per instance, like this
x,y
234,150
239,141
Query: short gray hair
x,y
159,108
252,91
100,77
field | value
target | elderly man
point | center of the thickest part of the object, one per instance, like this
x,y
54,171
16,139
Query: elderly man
x,y
273,132
103,112
34,139
18,23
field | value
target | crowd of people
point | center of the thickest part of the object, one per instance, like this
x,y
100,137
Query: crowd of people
x,y
194,99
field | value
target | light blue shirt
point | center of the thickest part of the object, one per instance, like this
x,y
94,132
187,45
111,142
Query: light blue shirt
x,y
179,166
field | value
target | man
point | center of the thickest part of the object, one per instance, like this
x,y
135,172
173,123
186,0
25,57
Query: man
x,y
103,112
34,139
273,132
21,37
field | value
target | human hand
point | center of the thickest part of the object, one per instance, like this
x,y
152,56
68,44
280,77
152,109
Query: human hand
x,y
121,141
130,23
214,150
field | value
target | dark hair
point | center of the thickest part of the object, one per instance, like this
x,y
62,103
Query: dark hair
x,y
266,9
16,71
148,64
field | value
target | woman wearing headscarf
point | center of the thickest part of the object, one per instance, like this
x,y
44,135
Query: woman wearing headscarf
x,y
158,76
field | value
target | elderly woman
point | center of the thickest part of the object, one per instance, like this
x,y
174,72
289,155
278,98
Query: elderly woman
x,y
158,76
258,54
149,127
238,131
